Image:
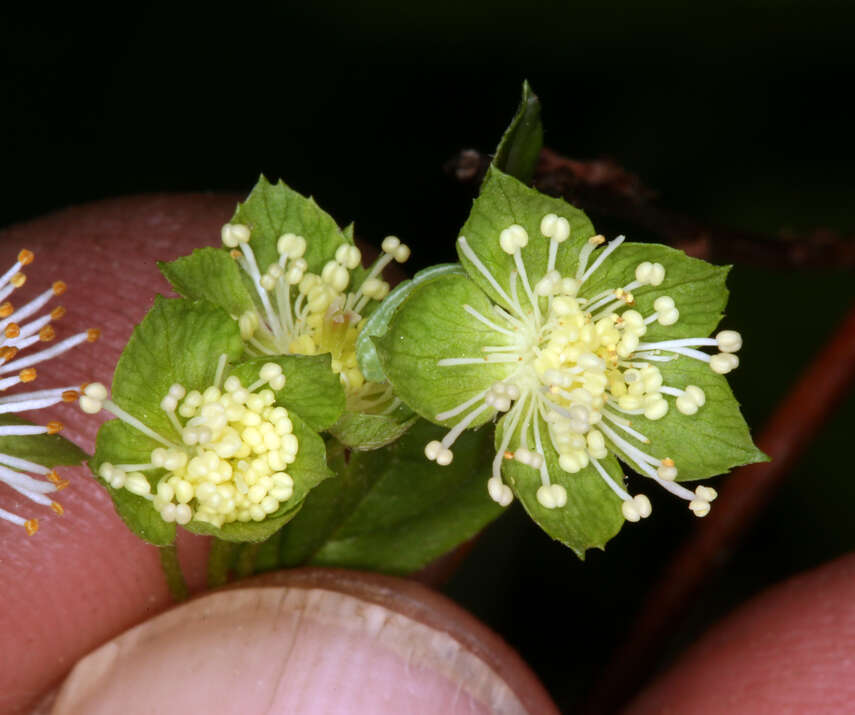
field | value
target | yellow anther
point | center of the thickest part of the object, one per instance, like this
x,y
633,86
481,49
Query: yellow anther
x,y
32,526
18,280
57,313
25,257
57,507
58,287
47,333
6,309
12,330
93,334
28,374
54,427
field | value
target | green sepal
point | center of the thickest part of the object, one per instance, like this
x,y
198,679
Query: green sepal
x,y
432,324
697,287
363,431
210,274
311,389
702,445
592,514
308,470
272,210
519,148
391,510
119,443
503,202
178,341
49,450
378,323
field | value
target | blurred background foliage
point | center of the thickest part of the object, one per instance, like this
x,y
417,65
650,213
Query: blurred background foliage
x,y
735,112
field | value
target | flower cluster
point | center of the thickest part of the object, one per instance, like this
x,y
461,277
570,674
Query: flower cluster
x,y
230,463
22,328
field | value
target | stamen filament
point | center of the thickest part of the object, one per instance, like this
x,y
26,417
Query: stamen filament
x,y
606,477
482,269
489,323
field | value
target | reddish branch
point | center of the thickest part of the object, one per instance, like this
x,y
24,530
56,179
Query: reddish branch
x,y
603,187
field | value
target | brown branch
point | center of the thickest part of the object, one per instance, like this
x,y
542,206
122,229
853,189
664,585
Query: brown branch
x,y
792,427
604,187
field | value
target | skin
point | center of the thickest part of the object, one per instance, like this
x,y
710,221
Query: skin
x,y
84,578
789,650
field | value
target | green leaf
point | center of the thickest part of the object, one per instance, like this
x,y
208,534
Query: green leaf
x,y
363,431
378,323
432,324
592,514
697,287
178,341
272,210
311,389
705,444
391,509
503,202
49,450
519,149
308,470
119,443
210,274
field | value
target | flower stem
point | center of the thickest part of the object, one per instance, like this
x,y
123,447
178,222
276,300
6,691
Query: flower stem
x,y
220,561
172,571
245,565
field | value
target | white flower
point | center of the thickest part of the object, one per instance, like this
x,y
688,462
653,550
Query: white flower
x,y
20,329
305,313
579,370
229,464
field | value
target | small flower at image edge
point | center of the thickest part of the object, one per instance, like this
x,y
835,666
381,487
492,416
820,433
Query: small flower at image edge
x,y
29,452
585,351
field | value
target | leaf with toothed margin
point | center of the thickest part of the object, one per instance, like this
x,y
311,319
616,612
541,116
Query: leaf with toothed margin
x,y
378,323
178,341
213,275
431,324
592,514
272,210
503,202
705,444
519,148
49,450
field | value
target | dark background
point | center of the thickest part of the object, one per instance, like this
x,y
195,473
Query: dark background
x,y
735,112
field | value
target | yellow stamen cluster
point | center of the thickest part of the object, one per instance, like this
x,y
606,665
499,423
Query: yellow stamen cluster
x,y
580,363
231,466
307,313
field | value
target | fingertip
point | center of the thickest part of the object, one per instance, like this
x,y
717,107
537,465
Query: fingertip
x,y
308,641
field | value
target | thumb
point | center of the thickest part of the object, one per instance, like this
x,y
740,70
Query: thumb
x,y
307,641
